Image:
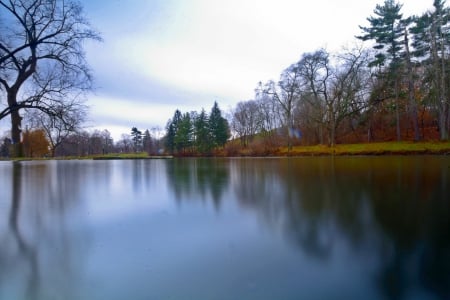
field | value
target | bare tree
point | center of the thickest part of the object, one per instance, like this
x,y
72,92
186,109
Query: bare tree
x,y
246,121
125,144
75,144
42,62
333,89
270,113
348,89
69,119
315,72
286,93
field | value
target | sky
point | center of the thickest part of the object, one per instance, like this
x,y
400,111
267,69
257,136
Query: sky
x,y
161,55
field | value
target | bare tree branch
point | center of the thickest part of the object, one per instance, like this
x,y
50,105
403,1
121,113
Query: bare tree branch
x,y
42,62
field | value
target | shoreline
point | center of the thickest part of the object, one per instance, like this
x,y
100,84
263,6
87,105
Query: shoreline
x,y
366,149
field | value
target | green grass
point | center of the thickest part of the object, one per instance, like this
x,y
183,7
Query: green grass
x,y
109,156
383,148
372,149
137,155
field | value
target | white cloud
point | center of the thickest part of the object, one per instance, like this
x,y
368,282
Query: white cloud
x,y
226,47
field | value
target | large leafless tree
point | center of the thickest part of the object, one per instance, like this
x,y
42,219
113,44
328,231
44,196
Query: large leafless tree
x,y
246,121
42,61
285,93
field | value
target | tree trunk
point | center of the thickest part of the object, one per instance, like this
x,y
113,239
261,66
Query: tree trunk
x,y
397,111
16,124
411,98
16,133
289,129
448,117
444,100
331,126
443,121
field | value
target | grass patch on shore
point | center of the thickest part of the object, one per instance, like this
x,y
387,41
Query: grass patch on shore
x,y
134,155
109,156
383,148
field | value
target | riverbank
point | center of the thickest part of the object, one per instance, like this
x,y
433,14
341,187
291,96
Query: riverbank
x,y
109,156
140,155
384,148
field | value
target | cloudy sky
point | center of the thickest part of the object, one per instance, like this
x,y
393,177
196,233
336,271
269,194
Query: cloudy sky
x,y
160,55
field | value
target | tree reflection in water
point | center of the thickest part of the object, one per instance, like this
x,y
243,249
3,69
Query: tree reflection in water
x,y
198,179
388,214
36,246
26,252
391,211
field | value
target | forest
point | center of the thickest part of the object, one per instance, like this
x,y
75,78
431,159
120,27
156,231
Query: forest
x,y
392,85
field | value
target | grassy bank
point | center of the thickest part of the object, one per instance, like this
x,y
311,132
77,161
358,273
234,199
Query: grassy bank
x,y
138,155
109,156
385,148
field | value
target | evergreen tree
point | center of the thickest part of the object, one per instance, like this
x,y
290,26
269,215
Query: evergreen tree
x,y
387,30
169,139
136,137
147,142
172,128
411,93
218,127
431,42
202,133
184,134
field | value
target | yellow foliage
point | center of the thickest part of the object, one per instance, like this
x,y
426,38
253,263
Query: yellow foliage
x,y
35,143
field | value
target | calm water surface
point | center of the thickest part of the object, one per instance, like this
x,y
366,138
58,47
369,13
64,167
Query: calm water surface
x,y
303,228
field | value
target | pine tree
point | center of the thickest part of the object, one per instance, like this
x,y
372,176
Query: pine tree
x,y
431,42
184,134
202,133
147,142
218,126
136,136
387,30
172,128
169,139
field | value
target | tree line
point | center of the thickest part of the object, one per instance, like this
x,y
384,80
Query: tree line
x,y
196,133
35,143
398,89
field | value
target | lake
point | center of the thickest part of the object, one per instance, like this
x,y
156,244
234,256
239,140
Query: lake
x,y
238,228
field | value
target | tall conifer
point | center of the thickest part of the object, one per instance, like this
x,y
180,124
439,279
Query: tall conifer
x,y
387,29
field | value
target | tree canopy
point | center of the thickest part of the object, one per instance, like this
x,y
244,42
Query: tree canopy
x,y
42,61
191,133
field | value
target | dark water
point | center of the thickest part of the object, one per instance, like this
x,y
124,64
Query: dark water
x,y
306,228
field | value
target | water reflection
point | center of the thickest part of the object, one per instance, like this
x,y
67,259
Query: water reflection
x,y
198,179
26,252
389,213
36,247
392,209
279,228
